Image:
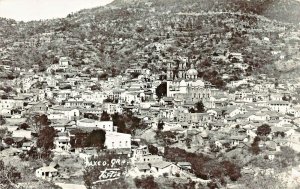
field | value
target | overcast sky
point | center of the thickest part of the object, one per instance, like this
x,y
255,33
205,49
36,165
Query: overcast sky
x,y
27,10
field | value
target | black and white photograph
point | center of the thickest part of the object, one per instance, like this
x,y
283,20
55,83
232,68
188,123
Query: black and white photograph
x,y
149,94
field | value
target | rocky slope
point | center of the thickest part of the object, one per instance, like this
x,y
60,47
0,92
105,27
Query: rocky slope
x,y
123,32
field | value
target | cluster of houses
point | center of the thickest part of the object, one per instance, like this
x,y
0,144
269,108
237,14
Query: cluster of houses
x,y
245,106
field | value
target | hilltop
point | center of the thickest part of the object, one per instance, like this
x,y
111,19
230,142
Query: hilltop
x,y
129,32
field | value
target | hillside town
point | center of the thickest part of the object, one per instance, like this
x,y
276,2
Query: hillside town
x,y
56,115
186,100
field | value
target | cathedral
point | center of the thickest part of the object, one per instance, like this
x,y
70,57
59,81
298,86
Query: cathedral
x,y
181,71
183,79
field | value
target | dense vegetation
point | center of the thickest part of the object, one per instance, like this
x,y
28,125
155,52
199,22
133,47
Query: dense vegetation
x,y
204,166
111,37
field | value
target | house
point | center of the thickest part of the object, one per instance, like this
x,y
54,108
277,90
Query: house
x,y
62,142
114,140
72,103
184,165
156,169
111,108
38,107
149,158
63,63
105,125
27,146
279,106
139,152
22,134
163,168
235,140
59,112
46,172
271,155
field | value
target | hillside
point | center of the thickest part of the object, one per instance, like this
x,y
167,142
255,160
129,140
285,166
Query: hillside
x,y
281,10
130,32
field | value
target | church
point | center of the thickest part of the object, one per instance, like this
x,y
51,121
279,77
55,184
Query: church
x,y
182,79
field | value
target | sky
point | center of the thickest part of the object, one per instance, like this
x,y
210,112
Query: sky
x,y
28,10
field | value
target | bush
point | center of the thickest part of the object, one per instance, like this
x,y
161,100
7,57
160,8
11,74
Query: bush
x,y
263,130
146,183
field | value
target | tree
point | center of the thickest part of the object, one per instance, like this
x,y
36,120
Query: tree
x,y
40,121
254,146
152,149
103,76
200,107
192,110
263,130
95,139
160,125
9,141
146,183
24,126
161,90
96,87
46,138
9,176
232,170
2,120
119,121
288,156
269,181
90,116
135,75
108,100
105,116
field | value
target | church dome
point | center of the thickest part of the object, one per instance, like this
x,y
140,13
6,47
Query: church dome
x,y
192,72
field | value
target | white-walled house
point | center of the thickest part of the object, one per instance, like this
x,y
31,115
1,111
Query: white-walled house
x,y
92,96
63,113
22,134
280,106
46,172
114,140
62,142
105,125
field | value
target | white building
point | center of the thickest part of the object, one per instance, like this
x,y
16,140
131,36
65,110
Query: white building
x,y
105,125
279,106
62,143
46,172
114,140
63,62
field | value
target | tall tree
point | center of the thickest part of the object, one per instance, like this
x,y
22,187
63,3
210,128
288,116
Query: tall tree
x,y
160,125
200,107
96,139
46,138
161,90
105,116
40,121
